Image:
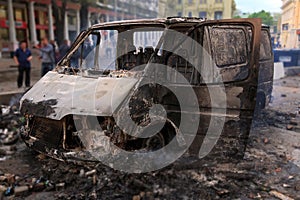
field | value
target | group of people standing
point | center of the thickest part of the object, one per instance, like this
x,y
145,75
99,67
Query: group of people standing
x,y
49,55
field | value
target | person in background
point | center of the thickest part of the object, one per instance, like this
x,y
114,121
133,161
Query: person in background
x,y
22,58
88,53
1,46
47,56
55,50
74,61
63,49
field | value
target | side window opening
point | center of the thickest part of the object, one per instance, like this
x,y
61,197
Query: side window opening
x,y
229,46
265,46
226,55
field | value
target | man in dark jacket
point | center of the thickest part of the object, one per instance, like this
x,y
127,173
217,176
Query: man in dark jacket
x,y
22,58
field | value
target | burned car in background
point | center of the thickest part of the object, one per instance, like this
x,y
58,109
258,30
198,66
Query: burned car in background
x,y
106,75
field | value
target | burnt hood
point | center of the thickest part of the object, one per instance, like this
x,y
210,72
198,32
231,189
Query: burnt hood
x,y
57,95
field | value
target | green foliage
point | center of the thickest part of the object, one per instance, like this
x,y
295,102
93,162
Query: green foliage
x,y
266,17
237,17
233,7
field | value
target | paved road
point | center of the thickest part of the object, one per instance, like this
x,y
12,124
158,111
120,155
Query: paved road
x,y
9,73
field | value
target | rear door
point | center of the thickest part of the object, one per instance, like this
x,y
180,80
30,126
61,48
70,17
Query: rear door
x,y
227,87
230,57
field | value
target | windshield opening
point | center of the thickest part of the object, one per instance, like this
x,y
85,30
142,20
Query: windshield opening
x,y
96,52
104,50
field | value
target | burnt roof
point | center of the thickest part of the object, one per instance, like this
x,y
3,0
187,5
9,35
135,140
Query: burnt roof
x,y
156,21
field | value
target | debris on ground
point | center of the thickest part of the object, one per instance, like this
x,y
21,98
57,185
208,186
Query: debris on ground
x,y
10,121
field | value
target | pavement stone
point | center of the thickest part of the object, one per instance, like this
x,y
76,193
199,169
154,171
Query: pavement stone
x,y
9,73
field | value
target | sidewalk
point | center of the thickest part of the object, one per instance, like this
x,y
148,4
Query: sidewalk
x,y
9,74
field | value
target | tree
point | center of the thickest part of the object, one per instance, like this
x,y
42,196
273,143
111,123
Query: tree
x,y
59,15
233,8
237,17
237,14
266,17
84,12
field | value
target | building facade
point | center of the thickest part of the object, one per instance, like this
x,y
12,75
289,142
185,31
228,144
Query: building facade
x,y
210,9
117,10
275,30
32,20
290,24
167,8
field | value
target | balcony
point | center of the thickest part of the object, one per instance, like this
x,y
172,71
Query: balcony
x,y
190,3
203,6
286,3
179,7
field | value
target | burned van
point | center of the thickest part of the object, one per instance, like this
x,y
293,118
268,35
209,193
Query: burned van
x,y
158,87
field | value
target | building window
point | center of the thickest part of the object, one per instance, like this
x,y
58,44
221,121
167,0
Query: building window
x,y
285,27
190,1
102,18
179,14
4,34
179,1
218,15
3,13
218,1
202,14
190,14
19,14
72,20
41,17
202,1
21,34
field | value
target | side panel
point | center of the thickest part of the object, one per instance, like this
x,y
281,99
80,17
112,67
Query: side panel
x,y
238,66
230,60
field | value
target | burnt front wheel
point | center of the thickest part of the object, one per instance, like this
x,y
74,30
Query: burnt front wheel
x,y
155,142
160,139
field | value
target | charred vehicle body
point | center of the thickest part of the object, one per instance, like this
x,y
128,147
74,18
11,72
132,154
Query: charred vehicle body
x,y
122,80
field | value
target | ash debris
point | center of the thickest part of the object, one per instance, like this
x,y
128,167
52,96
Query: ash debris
x,y
10,120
